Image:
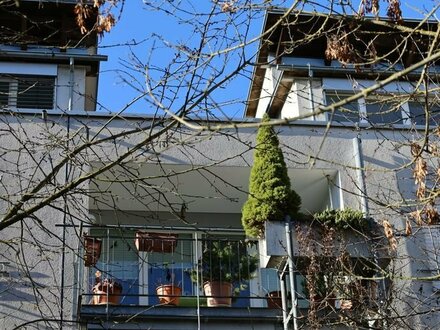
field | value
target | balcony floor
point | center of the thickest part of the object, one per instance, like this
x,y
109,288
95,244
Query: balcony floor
x,y
166,317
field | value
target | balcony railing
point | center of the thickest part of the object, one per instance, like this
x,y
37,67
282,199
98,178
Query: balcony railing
x,y
128,272
138,268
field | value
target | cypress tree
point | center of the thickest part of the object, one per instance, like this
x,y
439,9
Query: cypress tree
x,y
270,195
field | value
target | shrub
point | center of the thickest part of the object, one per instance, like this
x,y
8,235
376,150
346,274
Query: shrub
x,y
270,195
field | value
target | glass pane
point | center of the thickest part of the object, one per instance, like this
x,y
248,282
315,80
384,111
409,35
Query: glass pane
x,y
379,112
35,92
417,113
241,291
119,261
171,268
348,113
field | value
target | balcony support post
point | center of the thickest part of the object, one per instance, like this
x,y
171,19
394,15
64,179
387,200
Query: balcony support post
x,y
293,311
284,305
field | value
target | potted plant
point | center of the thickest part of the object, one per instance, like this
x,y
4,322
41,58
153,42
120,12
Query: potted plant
x,y
155,242
342,219
106,291
92,250
168,293
223,267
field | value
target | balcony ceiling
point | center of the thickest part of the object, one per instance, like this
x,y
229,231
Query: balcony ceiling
x,y
218,189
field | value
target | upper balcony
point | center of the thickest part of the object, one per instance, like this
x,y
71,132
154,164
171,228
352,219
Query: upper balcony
x,y
51,25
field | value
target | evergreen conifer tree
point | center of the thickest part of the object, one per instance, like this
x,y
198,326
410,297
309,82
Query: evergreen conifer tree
x,y
270,195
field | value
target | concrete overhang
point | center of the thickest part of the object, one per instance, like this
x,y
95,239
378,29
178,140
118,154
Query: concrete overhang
x,y
211,189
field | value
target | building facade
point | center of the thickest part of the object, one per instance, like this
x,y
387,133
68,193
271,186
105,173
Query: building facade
x,y
98,211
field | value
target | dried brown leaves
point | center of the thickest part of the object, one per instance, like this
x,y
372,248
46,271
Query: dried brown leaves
x,y
84,12
426,196
339,48
372,6
228,7
389,234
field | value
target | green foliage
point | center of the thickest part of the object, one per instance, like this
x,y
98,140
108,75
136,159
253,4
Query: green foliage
x,y
225,261
270,195
342,219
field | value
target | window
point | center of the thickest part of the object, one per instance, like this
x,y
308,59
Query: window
x,y
118,261
347,113
27,92
378,110
417,113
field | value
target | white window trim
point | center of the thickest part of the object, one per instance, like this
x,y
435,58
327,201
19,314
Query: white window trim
x,y
405,114
28,69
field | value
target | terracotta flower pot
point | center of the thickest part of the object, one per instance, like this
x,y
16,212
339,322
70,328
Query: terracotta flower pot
x,y
107,292
219,294
155,242
274,300
169,294
92,250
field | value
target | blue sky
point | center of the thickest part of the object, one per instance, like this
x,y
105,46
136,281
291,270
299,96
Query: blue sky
x,y
136,26
129,43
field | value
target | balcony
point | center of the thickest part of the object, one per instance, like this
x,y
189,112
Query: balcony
x,y
123,274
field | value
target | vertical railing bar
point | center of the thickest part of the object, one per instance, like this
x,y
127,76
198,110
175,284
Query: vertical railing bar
x,y
288,228
197,279
282,276
107,270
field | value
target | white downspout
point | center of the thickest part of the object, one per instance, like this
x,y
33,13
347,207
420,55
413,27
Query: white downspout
x,y
311,99
359,160
71,82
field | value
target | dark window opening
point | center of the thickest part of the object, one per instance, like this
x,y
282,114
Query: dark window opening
x,y
35,93
418,116
27,92
380,112
347,113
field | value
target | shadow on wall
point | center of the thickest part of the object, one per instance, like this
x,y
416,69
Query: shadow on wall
x,y
14,287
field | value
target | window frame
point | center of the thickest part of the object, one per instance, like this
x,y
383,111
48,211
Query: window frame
x,y
405,111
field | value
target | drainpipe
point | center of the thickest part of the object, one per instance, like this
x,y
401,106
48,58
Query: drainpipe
x,y
63,249
282,277
311,99
71,82
359,159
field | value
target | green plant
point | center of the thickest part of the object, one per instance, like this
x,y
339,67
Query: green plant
x,y
270,195
225,261
169,276
342,219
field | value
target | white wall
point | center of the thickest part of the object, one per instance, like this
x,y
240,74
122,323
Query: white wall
x,y
63,88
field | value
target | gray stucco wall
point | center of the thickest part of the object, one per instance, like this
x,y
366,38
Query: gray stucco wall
x,y
31,148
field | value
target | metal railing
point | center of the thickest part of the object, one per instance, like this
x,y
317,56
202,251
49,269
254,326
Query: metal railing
x,y
143,268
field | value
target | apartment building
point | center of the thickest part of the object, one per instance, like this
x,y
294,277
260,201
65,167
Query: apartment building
x,y
101,212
